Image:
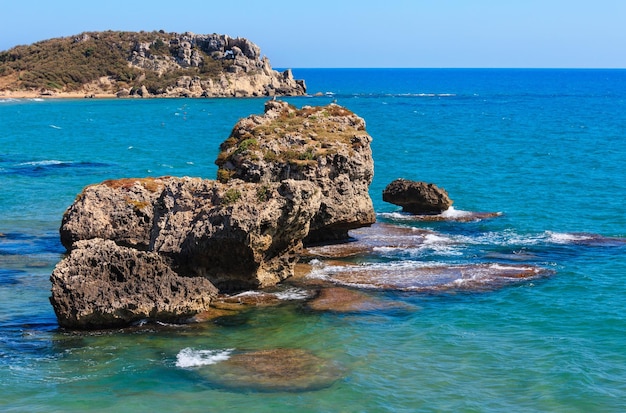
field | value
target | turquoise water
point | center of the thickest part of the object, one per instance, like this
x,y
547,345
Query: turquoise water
x,y
544,147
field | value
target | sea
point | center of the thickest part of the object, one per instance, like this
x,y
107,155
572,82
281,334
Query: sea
x,y
546,149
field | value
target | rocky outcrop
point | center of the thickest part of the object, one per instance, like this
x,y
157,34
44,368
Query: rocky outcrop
x,y
237,235
101,284
417,197
144,64
245,72
327,146
130,239
287,177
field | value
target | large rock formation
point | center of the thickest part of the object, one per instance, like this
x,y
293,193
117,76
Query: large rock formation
x,y
131,239
144,64
324,145
101,284
417,197
161,248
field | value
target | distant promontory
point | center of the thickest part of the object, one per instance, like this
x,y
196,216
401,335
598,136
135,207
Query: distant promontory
x,y
143,64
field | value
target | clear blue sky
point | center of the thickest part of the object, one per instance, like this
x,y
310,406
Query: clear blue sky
x,y
357,33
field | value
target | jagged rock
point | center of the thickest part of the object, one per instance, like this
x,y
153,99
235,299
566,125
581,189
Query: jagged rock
x,y
238,235
120,210
101,284
288,176
150,64
324,145
417,197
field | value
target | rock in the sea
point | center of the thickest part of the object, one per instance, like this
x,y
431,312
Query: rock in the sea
x,y
417,197
417,277
281,369
286,177
120,210
344,300
101,284
235,236
324,145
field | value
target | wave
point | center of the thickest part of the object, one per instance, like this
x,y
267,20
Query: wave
x,y
46,166
43,163
288,294
451,214
189,357
385,95
291,294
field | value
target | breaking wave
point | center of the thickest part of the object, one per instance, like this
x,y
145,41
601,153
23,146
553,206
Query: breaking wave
x,y
189,357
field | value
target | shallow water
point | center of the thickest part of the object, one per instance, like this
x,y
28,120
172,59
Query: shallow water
x,y
543,147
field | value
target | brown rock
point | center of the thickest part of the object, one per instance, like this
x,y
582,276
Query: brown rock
x,y
417,197
121,210
238,235
420,278
327,146
340,299
280,369
101,284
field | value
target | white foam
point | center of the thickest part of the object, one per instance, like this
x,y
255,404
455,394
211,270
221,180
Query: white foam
x,y
292,294
455,213
188,357
55,127
247,294
566,238
503,267
42,163
437,239
398,215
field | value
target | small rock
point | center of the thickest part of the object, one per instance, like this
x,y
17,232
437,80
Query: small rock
x,y
417,197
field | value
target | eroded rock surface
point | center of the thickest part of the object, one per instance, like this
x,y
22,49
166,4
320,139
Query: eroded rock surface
x,y
101,284
287,177
417,197
234,236
327,146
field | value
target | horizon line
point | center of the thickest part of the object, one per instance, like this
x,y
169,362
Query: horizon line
x,y
446,68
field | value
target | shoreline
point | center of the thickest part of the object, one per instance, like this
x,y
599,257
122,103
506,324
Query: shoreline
x,y
22,94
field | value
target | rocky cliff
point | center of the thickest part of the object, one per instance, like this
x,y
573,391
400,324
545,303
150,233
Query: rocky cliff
x,y
162,248
145,64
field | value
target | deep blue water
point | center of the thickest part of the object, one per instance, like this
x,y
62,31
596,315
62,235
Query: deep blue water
x,y
544,147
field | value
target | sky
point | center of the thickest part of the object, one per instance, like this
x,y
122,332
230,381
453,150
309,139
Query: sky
x,y
358,33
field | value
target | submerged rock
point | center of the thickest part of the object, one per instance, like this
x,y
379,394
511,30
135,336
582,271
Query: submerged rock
x,y
419,277
327,146
280,369
381,257
417,197
345,300
365,240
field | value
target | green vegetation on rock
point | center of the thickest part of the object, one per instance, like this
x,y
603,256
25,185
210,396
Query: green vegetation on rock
x,y
68,63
